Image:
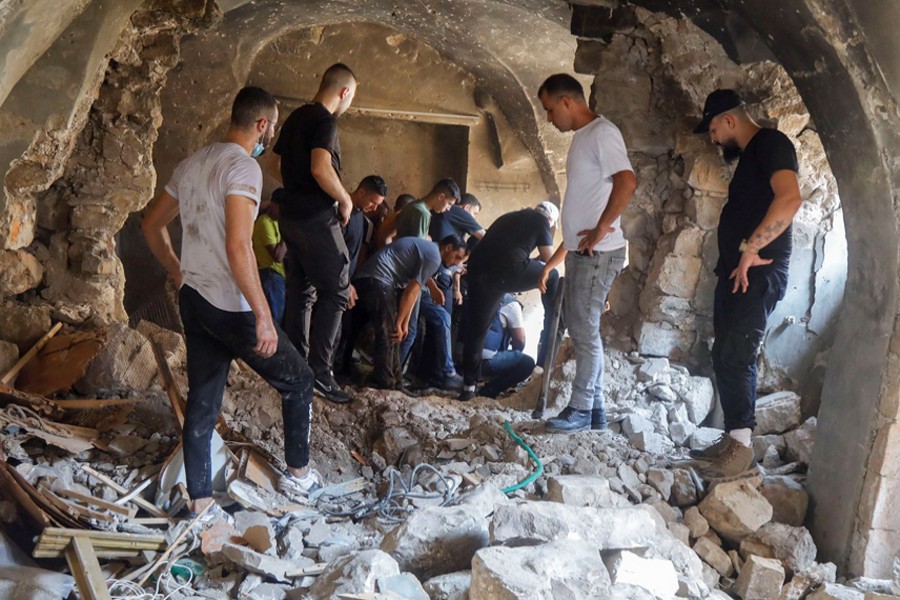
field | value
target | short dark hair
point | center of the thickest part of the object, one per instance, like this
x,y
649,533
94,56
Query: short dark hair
x,y
454,240
250,105
374,184
561,84
469,200
337,75
402,200
446,186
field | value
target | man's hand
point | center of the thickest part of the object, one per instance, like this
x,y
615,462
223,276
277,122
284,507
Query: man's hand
x,y
437,296
177,279
748,260
457,296
266,338
344,211
592,237
400,332
353,297
542,282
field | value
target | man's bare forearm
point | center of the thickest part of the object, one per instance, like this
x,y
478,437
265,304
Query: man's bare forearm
x,y
779,216
407,303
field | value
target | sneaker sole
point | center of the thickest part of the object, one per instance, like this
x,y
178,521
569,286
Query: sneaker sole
x,y
552,429
751,472
328,396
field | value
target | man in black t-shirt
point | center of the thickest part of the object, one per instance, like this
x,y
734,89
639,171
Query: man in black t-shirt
x,y
501,264
315,208
754,253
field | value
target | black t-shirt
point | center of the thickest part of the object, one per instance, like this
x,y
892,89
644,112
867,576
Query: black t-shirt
x,y
308,127
457,220
510,240
354,235
749,196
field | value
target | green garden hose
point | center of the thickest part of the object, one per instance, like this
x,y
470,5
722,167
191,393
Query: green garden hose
x,y
537,461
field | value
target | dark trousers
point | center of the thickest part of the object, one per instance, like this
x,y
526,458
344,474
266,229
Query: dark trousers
x,y
486,289
437,340
378,306
739,321
273,287
214,337
318,286
504,370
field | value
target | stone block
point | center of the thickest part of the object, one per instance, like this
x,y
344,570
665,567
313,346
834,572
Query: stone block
x,y
655,575
483,499
705,209
393,442
706,173
802,583
662,480
696,523
800,442
676,275
714,556
684,490
560,569
680,433
436,540
680,532
651,443
19,272
788,498
699,397
452,586
777,413
735,509
533,523
663,339
662,392
580,490
689,241
836,591
635,423
650,369
402,586
24,324
793,546
356,573
760,579
762,444
125,363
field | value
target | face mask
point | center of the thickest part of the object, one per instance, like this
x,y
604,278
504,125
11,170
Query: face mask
x,y
258,149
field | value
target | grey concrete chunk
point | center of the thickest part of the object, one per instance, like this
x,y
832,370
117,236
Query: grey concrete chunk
x,y
655,575
404,585
356,573
452,586
777,413
760,579
580,490
793,546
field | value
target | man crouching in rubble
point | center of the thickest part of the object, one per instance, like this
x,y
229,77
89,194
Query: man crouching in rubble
x,y
223,307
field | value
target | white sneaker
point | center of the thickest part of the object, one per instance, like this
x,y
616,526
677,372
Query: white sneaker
x,y
299,488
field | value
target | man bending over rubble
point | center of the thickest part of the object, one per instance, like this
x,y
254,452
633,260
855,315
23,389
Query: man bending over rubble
x,y
754,253
224,311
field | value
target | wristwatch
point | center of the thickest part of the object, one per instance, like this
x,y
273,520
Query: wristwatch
x,y
745,247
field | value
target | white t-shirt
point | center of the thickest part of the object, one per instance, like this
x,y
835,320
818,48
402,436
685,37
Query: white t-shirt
x,y
201,183
596,154
511,317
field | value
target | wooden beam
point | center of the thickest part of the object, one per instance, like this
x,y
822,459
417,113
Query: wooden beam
x,y
175,397
86,570
140,502
14,370
86,499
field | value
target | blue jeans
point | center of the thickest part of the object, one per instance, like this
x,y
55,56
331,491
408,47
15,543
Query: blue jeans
x,y
437,321
588,280
505,370
407,344
739,321
273,287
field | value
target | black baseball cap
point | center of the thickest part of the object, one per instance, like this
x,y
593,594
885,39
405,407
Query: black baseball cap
x,y
717,102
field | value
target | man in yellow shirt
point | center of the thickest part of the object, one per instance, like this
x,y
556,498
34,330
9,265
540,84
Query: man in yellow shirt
x,y
270,249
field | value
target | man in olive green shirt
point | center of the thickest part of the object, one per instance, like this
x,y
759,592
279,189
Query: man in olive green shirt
x,y
270,250
415,218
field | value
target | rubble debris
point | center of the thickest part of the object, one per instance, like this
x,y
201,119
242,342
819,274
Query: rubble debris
x,y
788,498
713,555
652,574
800,441
760,579
793,546
356,573
777,413
836,591
736,509
580,490
452,586
403,586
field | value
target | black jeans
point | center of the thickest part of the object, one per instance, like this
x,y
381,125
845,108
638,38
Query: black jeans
x,y
378,305
318,286
214,337
739,321
486,289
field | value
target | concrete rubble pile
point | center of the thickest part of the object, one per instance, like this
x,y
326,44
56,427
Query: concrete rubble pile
x,y
428,496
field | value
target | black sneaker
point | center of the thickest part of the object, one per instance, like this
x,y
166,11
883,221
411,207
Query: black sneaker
x,y
598,419
467,393
329,389
570,420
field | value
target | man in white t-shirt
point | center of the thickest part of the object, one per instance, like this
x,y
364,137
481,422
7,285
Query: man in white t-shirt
x,y
600,183
223,308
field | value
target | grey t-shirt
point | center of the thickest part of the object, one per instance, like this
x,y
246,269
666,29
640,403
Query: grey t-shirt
x,y
402,261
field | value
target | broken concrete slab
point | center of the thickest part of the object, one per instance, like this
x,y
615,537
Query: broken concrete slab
x,y
651,368
356,573
580,490
635,423
655,575
560,569
438,540
793,546
788,498
650,442
760,579
766,443
125,363
256,562
452,586
403,585
736,509
836,591
533,523
777,413
714,556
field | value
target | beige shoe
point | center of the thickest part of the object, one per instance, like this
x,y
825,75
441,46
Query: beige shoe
x,y
735,461
713,451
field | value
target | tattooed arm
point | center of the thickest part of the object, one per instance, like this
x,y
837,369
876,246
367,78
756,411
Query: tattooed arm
x,y
780,214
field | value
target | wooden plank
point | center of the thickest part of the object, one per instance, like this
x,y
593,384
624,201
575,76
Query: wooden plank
x,y
73,495
175,397
260,472
14,370
22,498
61,553
56,515
137,489
137,500
73,509
86,570
99,536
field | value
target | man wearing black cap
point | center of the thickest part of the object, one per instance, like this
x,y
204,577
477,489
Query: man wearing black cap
x,y
754,253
